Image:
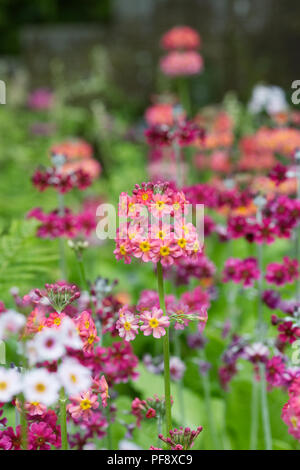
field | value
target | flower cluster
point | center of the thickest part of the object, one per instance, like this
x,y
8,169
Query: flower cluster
x,y
166,237
62,182
182,438
182,58
68,224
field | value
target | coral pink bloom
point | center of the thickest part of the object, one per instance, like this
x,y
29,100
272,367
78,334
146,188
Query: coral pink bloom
x,y
83,405
155,322
127,325
101,386
161,205
35,408
123,251
180,64
54,320
165,251
181,37
159,114
143,249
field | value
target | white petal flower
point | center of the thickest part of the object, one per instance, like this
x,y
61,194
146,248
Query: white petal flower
x,y
69,334
49,345
41,386
10,384
11,322
74,377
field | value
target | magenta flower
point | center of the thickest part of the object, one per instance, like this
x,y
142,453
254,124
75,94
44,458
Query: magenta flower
x,y
41,436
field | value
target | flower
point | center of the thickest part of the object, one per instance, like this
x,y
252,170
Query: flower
x,y
11,322
182,438
74,377
154,322
41,436
10,384
48,345
257,352
288,332
10,439
69,335
41,386
177,368
181,37
83,405
180,64
127,325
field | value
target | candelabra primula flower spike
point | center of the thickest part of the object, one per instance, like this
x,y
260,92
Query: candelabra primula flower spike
x,y
181,439
59,295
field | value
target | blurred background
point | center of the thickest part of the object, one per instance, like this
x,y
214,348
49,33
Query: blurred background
x,y
244,42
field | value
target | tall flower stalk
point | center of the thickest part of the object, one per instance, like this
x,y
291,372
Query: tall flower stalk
x,y
260,332
63,419
166,350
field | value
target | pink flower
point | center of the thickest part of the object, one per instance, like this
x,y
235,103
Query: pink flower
x,y
41,436
35,408
83,405
127,325
155,322
181,37
180,64
288,332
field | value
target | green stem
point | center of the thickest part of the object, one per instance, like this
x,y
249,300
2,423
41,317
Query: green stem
x,y
208,408
254,414
63,419
23,423
184,94
177,350
265,408
166,350
62,255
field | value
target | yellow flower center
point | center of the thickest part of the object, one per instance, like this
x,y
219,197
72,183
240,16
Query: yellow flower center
x,y
35,403
145,196
161,234
160,205
176,206
57,321
87,324
73,378
294,422
153,323
122,250
131,207
85,404
40,388
3,385
145,246
182,242
127,326
164,250
91,339
196,247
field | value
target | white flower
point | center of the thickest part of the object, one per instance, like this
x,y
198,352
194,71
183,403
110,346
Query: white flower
x,y
74,377
41,386
267,98
31,352
10,384
11,323
49,344
69,334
